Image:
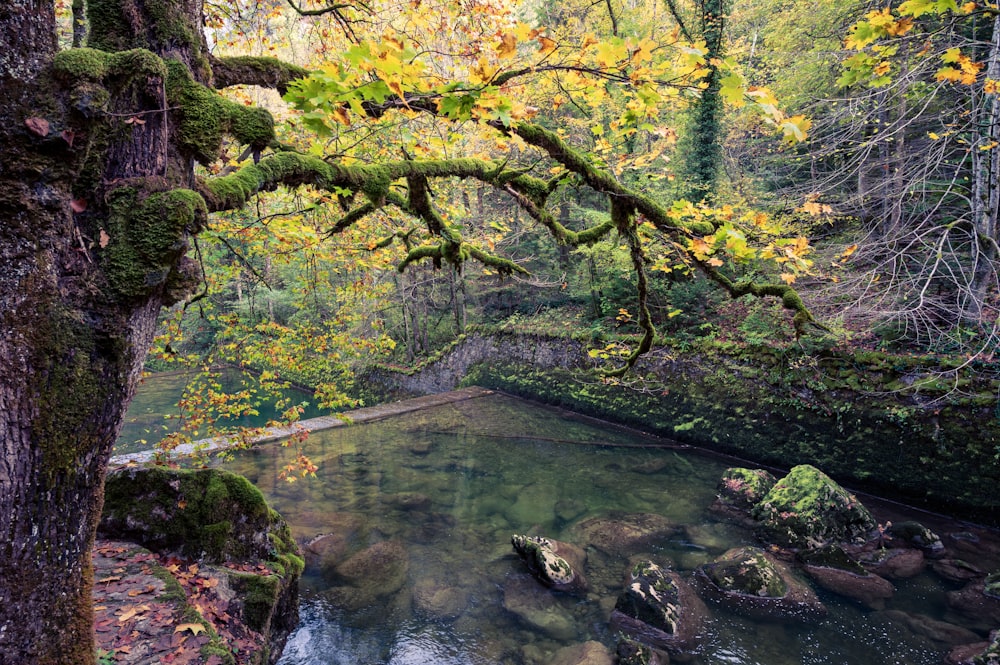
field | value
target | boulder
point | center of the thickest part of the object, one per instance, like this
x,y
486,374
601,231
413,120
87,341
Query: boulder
x,y
896,563
376,571
220,518
937,631
624,534
748,581
956,570
537,608
979,608
742,489
807,509
588,653
555,564
659,609
915,534
832,569
977,653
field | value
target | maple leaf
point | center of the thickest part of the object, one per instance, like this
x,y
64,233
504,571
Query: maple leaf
x,y
508,45
195,628
39,126
787,278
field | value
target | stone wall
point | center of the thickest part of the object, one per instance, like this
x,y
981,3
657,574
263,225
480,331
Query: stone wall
x,y
878,423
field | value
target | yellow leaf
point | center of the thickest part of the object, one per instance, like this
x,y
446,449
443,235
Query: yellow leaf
x,y
195,628
933,136
991,86
715,262
508,45
847,252
787,278
546,45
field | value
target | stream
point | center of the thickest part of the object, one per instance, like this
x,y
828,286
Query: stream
x,y
408,522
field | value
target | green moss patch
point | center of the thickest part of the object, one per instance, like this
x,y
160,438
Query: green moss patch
x,y
208,513
808,509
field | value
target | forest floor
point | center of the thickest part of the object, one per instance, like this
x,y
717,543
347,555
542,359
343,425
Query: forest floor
x,y
152,608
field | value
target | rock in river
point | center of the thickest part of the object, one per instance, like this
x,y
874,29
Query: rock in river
x,y
624,534
659,609
750,582
807,509
555,564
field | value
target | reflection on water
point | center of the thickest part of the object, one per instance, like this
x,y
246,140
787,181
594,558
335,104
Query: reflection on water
x,y
409,523
154,413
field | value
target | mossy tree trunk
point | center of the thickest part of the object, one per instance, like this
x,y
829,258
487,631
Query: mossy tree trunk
x,y
79,296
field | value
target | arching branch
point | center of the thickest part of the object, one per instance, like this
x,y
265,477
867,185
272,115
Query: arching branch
x,y
325,10
249,70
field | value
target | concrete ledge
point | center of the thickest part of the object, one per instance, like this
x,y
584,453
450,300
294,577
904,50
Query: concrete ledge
x,y
363,415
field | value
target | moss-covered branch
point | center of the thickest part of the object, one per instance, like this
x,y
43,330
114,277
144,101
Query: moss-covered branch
x,y
250,70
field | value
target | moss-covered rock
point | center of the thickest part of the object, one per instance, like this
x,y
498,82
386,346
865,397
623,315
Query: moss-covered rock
x,y
915,534
748,581
550,562
216,517
659,609
807,509
742,489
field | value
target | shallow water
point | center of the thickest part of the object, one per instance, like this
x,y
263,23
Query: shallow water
x,y
450,485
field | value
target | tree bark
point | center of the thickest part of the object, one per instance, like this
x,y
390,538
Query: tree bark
x,y
72,343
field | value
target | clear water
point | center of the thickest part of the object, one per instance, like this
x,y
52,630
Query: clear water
x,y
451,485
154,413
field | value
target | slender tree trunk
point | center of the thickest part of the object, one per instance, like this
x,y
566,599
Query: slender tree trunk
x,y
986,183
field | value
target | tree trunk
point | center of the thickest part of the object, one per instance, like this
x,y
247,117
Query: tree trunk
x,y
82,279
986,185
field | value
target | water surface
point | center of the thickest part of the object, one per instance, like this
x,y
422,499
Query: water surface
x,y
448,487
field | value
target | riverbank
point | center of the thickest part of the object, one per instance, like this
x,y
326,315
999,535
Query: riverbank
x,y
921,430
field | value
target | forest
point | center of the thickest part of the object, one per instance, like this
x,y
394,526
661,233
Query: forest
x,y
306,189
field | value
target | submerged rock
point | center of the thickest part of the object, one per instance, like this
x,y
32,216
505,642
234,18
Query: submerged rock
x,y
555,564
588,653
624,534
956,570
659,609
832,569
896,563
932,629
439,600
742,489
376,571
978,653
979,608
807,509
750,582
537,607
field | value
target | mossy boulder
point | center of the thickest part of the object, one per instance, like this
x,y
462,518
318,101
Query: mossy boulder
x,y
898,563
807,509
659,609
555,564
216,517
915,534
750,582
741,489
207,514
